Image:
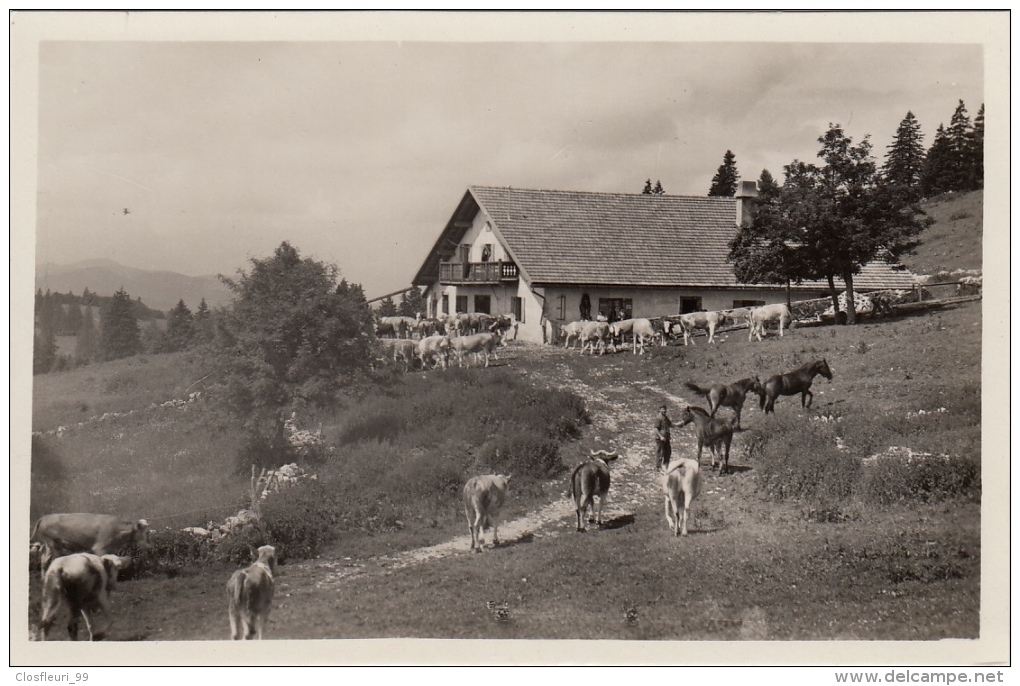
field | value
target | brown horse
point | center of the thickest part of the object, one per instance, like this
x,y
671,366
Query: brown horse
x,y
792,383
716,434
731,395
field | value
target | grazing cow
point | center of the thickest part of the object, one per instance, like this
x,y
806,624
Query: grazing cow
x,y
83,582
404,350
716,434
759,317
571,333
250,596
591,479
619,330
682,483
435,349
706,321
483,498
644,330
792,383
61,534
731,395
451,325
428,326
593,332
479,344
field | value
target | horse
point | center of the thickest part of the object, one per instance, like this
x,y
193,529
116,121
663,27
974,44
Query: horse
x,y
792,383
716,434
731,395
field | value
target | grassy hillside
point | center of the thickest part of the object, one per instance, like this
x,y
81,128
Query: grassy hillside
x,y
955,240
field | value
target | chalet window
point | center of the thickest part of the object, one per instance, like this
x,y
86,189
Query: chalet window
x,y
446,305
748,303
517,308
462,303
616,309
482,304
562,314
690,305
487,252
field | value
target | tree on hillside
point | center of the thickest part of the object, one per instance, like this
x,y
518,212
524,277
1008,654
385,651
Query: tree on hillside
x,y
180,330
120,335
974,172
290,337
658,190
72,320
768,189
204,330
411,303
86,341
937,176
387,308
829,221
905,160
724,183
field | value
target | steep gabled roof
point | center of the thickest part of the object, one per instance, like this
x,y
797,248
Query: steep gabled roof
x,y
617,239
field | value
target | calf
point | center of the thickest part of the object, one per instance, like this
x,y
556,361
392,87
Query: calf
x,y
681,482
591,479
60,534
483,498
706,321
250,596
571,333
83,582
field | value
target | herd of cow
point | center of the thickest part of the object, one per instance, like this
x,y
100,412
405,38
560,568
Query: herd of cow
x,y
458,335
610,336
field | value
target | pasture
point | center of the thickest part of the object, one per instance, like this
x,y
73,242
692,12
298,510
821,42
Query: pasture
x,y
820,532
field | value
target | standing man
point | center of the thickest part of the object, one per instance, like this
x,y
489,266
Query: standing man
x,y
663,450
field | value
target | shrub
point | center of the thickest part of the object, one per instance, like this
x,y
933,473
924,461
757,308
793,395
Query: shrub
x,y
801,460
171,552
920,477
522,453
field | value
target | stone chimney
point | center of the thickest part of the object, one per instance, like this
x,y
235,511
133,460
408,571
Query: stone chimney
x,y
747,195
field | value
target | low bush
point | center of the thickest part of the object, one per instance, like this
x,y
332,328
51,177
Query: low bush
x,y
920,477
802,460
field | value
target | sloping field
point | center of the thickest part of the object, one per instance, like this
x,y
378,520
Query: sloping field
x,y
756,566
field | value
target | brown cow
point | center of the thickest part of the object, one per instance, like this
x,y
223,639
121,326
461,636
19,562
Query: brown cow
x,y
250,596
590,480
80,532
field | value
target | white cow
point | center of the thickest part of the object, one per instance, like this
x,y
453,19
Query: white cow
x,y
681,482
483,499
759,317
644,330
83,582
571,333
706,321
595,332
435,349
479,344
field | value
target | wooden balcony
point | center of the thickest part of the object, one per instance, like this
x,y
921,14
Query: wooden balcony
x,y
477,272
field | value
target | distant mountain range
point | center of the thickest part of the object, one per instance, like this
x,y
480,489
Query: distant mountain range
x,y
158,290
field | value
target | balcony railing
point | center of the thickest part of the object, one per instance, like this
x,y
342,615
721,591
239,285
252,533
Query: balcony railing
x,y
477,272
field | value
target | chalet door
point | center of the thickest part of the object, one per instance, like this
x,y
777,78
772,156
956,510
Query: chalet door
x,y
463,255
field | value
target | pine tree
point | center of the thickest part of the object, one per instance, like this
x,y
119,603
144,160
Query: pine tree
x,y
975,155
180,330
904,163
72,320
120,335
937,177
724,183
658,190
768,189
412,303
960,135
203,323
387,308
85,342
646,191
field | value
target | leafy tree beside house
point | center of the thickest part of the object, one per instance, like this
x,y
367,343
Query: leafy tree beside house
x,y
724,183
120,335
828,221
291,336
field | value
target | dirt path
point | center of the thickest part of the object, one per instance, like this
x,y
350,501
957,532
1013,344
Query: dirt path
x,y
620,421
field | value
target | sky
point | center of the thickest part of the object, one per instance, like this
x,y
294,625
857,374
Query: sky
x,y
196,156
